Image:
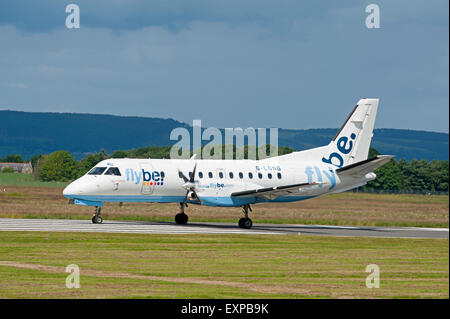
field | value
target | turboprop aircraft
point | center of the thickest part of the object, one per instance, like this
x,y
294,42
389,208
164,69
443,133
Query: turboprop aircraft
x,y
339,166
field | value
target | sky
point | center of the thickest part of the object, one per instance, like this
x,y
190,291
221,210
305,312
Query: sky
x,y
229,63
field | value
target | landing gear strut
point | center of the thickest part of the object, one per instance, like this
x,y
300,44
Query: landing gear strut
x,y
97,219
246,222
181,218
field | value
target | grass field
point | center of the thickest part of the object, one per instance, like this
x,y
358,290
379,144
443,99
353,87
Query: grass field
x,y
18,179
334,209
32,265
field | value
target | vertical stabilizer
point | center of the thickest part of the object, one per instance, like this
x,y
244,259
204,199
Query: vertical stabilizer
x,y
350,144
352,141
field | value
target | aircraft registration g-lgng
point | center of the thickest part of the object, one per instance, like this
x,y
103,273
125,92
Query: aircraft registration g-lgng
x,y
339,166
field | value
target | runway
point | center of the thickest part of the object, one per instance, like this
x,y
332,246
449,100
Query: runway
x,y
71,225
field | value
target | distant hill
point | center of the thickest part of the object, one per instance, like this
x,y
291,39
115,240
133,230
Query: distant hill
x,y
30,133
406,144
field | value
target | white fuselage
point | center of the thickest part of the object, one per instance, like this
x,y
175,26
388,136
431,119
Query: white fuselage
x,y
341,165
158,180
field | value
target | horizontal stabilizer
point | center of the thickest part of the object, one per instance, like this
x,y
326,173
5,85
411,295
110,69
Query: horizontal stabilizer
x,y
367,166
273,192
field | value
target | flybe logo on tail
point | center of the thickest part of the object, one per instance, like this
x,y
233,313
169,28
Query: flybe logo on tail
x,y
155,178
344,146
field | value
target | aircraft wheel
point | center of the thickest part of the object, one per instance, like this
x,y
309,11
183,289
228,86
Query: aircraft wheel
x,y
97,219
181,218
245,223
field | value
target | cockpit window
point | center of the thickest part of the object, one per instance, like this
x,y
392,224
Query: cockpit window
x,y
113,171
97,171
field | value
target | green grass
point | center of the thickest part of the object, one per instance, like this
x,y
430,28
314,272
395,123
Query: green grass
x,y
19,179
221,266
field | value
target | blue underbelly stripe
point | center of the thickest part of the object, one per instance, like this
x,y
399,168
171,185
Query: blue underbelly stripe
x,y
208,201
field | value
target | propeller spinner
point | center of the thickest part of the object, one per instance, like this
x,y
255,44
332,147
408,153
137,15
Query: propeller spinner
x,y
189,184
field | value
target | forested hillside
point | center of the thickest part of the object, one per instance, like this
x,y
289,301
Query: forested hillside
x,y
30,134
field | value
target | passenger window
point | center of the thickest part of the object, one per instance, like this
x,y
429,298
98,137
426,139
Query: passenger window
x,y
250,175
279,175
220,174
241,176
200,174
231,175
269,175
113,171
190,174
210,175
97,171
260,175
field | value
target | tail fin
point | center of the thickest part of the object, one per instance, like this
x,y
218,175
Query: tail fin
x,y
350,144
352,141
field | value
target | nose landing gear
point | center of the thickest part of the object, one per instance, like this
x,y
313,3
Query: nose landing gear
x,y
245,222
97,219
181,218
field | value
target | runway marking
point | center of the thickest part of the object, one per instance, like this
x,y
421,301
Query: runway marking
x,y
138,227
380,228
66,225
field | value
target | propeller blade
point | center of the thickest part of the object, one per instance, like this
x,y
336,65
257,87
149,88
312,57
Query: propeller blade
x,y
181,175
193,173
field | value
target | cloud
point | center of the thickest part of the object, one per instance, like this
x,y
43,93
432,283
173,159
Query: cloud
x,y
230,63
46,15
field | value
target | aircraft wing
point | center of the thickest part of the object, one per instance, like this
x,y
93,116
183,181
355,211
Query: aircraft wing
x,y
273,192
360,169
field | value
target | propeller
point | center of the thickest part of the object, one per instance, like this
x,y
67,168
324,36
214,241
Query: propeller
x,y
189,183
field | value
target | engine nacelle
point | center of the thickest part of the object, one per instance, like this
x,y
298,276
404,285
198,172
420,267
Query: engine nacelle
x,y
370,176
192,196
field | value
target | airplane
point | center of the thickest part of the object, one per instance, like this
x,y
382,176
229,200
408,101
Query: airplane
x,y
341,165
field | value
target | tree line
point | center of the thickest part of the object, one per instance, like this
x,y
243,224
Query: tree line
x,y
397,175
414,175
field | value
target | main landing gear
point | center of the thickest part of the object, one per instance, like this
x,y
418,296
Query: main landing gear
x,y
181,218
246,222
97,219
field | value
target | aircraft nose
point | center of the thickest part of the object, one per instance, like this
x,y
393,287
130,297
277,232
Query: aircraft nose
x,y
75,188
70,189
81,186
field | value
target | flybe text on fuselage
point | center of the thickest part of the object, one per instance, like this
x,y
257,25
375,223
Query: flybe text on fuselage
x,y
153,177
314,172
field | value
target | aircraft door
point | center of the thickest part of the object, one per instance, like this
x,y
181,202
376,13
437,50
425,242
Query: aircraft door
x,y
148,185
